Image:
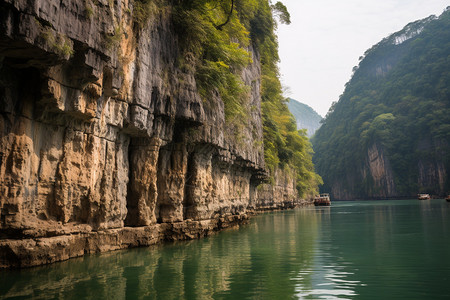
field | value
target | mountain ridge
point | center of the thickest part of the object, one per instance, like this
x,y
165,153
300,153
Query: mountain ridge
x,y
306,117
388,135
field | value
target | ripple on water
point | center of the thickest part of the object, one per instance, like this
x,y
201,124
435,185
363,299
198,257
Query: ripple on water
x,y
384,250
326,282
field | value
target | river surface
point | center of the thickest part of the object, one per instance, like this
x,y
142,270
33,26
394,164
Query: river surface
x,y
351,250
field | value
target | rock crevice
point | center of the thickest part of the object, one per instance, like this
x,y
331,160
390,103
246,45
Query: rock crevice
x,y
105,142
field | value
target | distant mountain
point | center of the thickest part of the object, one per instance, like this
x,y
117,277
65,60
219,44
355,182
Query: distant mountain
x,y
389,133
306,117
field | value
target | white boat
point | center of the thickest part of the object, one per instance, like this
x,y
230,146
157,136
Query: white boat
x,y
423,196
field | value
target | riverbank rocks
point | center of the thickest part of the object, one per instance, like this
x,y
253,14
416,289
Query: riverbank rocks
x,y
106,143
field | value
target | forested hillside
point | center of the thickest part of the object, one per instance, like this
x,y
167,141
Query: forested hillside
x,y
306,117
389,133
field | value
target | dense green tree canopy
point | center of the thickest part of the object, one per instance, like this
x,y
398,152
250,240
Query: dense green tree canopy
x,y
398,99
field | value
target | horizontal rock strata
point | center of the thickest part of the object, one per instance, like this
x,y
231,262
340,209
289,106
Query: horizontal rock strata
x,y
28,252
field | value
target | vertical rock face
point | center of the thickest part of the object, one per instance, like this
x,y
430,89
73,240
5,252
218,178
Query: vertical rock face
x,y
380,172
432,170
377,173
105,142
280,194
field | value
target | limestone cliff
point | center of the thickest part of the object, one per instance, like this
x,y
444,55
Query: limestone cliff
x,y
376,173
105,141
279,194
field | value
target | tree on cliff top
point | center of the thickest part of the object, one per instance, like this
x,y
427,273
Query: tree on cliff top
x,y
217,35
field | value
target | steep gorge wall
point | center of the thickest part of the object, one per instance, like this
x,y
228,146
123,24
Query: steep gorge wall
x,y
279,194
376,174
105,142
380,181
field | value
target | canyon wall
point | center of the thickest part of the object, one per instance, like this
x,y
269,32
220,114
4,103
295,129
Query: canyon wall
x,y
379,180
105,141
281,193
376,175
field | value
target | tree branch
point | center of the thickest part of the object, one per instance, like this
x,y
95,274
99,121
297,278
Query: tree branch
x,y
219,27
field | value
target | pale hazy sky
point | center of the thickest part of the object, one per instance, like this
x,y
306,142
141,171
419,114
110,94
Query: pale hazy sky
x,y
326,38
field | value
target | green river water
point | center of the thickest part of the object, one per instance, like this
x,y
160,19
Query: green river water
x,y
351,250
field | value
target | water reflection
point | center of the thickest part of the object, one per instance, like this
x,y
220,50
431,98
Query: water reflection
x,y
255,261
374,250
329,274
327,283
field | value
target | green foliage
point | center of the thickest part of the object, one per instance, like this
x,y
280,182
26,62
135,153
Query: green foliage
x,y
113,40
143,10
88,8
306,117
287,148
219,55
214,37
284,146
58,43
281,11
399,100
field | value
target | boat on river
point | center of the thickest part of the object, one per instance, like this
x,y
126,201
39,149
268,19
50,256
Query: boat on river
x,y
423,196
447,198
322,200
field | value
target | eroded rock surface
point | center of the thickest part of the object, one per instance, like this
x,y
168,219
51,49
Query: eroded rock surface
x,y
105,142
